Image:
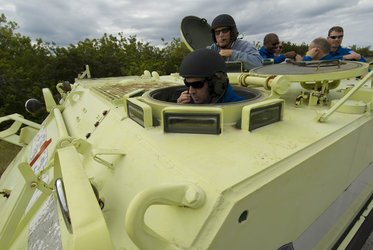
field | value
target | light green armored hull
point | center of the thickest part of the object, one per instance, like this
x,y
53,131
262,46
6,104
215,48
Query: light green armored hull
x,y
118,164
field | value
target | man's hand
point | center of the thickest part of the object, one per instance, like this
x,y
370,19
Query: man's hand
x,y
225,52
312,52
298,58
184,97
352,56
290,54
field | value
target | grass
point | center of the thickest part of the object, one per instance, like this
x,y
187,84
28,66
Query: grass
x,y
7,153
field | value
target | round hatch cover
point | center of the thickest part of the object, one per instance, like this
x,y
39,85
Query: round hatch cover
x,y
325,70
196,32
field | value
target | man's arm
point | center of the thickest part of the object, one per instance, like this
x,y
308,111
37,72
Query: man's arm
x,y
312,53
244,51
279,59
349,54
353,56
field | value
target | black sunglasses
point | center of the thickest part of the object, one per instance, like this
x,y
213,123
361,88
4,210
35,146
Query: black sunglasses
x,y
335,37
225,30
195,85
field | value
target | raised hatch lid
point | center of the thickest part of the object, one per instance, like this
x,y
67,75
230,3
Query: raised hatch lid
x,y
196,32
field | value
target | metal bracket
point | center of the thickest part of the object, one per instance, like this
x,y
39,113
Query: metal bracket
x,y
10,134
323,116
85,73
35,181
99,152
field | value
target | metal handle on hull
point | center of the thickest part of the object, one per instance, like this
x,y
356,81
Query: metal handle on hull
x,y
180,194
61,197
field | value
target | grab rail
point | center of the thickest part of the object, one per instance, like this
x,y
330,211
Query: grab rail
x,y
10,134
179,194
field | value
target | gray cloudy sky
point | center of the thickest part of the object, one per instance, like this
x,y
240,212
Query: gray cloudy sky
x,y
70,21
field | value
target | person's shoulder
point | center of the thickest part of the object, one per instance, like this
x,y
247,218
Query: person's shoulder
x,y
230,96
328,57
264,53
243,42
343,50
213,46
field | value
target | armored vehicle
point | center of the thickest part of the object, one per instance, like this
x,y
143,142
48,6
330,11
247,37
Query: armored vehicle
x,y
118,164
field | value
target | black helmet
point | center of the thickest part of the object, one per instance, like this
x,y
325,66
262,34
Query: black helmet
x,y
224,20
202,63
208,64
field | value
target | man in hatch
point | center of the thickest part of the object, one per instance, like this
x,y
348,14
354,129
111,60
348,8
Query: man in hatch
x,y
205,76
224,33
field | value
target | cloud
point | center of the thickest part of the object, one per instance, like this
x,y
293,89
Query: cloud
x,y
298,21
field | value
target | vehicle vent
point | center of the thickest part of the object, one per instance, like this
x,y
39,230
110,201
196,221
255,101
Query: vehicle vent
x,y
115,93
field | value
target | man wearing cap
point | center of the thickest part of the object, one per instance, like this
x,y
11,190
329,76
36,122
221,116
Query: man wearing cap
x,y
205,77
224,33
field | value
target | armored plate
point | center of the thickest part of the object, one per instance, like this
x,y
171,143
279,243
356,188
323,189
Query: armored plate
x,y
313,70
195,32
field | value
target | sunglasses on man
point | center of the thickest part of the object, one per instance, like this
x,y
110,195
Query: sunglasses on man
x,y
195,85
225,30
335,37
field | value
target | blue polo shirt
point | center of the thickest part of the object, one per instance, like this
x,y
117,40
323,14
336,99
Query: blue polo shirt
x,y
327,57
276,59
340,52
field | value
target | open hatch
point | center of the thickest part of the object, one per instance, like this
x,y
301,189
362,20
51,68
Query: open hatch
x,y
196,32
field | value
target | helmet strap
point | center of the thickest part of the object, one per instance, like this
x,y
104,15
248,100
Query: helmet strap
x,y
217,85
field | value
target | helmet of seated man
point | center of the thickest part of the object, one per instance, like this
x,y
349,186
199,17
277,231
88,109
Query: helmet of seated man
x,y
206,63
224,20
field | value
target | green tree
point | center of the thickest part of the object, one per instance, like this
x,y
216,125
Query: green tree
x,y
173,54
365,51
299,49
24,68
